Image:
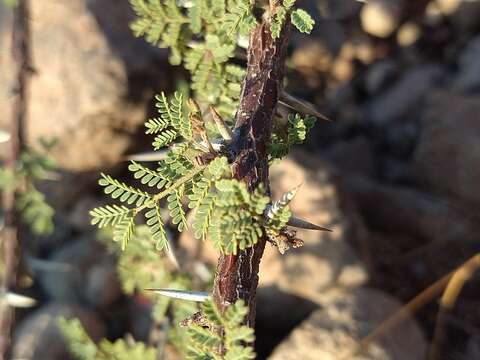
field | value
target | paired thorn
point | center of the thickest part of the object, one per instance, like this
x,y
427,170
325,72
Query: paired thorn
x,y
198,296
301,106
223,129
303,224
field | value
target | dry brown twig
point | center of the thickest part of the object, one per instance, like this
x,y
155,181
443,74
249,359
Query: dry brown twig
x,y
10,245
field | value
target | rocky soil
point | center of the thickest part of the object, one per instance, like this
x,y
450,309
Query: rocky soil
x,y
395,175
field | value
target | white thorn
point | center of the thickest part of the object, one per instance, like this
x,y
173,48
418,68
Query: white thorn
x,y
303,224
18,301
301,106
4,136
198,296
148,156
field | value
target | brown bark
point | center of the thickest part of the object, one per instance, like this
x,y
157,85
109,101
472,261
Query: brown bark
x,y
237,275
10,240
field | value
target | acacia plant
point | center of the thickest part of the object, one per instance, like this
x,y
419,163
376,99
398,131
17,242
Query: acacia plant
x,y
220,145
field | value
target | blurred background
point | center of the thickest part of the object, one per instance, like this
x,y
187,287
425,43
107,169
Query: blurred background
x,y
396,175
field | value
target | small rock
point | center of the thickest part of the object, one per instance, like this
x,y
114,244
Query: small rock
x,y
450,142
79,94
79,216
355,156
103,288
326,259
346,317
39,338
401,210
468,78
342,9
379,75
90,277
381,17
465,18
403,96
408,34
472,350
273,323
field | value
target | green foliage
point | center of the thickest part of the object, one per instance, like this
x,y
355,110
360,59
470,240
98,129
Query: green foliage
x,y
35,211
223,206
10,3
239,18
156,226
203,196
205,62
109,215
223,336
30,203
203,34
296,133
302,21
123,192
237,217
298,17
123,231
171,112
162,23
83,348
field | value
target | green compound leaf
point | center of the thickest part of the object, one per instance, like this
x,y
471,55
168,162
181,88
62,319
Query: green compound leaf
x,y
123,231
123,192
302,21
108,215
157,228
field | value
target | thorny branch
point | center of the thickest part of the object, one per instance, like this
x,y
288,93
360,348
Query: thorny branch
x,y
10,246
237,275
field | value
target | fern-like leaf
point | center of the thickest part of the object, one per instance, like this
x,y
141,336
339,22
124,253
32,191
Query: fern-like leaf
x,y
123,192
172,113
156,125
239,18
108,215
164,139
123,231
149,177
35,212
157,228
176,210
302,21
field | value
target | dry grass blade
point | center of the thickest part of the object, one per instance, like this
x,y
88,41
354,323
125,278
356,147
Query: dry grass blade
x,y
463,274
418,302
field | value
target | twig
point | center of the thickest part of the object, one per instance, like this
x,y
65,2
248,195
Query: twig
x,y
237,275
10,240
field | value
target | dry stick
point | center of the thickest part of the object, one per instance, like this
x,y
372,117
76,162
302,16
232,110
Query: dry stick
x,y
10,241
237,275
449,298
413,306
